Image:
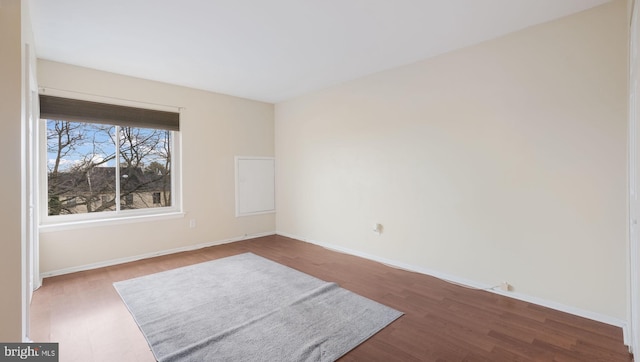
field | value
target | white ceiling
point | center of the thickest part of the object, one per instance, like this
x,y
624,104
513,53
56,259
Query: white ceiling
x,y
272,50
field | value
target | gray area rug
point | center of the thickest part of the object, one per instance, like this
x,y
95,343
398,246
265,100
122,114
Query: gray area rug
x,y
248,308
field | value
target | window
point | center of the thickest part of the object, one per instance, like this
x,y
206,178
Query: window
x,y
128,201
107,161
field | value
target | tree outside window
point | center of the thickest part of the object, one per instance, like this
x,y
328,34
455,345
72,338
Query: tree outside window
x,y
90,163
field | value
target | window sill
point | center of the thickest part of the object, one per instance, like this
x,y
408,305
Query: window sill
x,y
69,225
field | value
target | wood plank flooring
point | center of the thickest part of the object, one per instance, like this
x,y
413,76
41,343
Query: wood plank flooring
x,y
442,322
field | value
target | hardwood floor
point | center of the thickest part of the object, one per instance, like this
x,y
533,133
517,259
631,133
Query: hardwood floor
x,y
442,321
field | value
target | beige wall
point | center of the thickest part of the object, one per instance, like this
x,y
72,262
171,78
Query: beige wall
x,y
10,177
504,161
214,129
634,183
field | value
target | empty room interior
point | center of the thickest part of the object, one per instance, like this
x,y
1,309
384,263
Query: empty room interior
x,y
469,164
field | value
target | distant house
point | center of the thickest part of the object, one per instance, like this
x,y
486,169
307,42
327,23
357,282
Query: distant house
x,y
80,191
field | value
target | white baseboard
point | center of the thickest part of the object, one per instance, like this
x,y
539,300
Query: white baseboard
x,y
473,284
128,259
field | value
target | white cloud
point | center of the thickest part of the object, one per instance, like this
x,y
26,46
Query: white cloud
x,y
69,163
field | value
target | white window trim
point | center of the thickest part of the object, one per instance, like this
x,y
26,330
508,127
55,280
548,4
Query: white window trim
x,y
70,225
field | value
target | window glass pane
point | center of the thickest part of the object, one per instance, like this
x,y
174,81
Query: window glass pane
x,y
80,167
145,168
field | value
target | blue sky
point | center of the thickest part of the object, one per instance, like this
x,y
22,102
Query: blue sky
x,y
95,142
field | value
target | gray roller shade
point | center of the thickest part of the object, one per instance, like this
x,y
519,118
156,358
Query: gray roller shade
x,y
58,108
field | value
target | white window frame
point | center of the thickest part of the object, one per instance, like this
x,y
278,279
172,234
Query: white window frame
x,y
50,223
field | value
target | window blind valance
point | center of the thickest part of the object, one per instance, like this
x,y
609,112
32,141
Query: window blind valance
x,y
58,108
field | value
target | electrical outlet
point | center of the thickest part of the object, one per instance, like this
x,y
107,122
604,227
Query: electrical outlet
x,y
192,223
378,228
505,287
